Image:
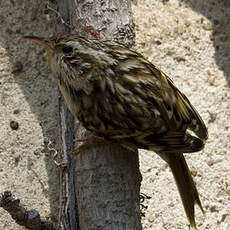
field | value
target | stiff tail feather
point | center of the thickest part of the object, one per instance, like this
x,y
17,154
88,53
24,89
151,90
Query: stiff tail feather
x,y
185,184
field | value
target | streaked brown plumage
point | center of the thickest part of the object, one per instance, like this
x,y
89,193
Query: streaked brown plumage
x,y
119,95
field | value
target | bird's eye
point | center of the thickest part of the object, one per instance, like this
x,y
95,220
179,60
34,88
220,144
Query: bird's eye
x,y
67,49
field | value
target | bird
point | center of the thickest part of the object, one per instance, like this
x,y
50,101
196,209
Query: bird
x,y
118,95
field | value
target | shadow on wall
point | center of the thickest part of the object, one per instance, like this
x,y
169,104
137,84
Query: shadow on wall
x,y
18,18
218,12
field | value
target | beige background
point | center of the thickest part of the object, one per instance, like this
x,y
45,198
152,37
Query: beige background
x,y
188,39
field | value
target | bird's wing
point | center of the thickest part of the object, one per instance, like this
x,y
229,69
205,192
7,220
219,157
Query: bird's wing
x,y
150,90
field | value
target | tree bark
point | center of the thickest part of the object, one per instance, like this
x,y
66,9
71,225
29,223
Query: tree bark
x,y
107,177
68,217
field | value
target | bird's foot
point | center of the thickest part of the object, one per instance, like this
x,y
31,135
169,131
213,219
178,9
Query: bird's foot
x,y
89,142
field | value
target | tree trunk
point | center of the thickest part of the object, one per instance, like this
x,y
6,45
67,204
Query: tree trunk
x,y
107,177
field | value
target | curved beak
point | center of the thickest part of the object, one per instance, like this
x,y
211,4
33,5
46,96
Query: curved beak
x,y
46,44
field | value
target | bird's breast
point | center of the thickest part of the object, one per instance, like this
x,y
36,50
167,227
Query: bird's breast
x,y
71,98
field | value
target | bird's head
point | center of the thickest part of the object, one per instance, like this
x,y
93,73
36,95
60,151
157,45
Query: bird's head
x,y
53,50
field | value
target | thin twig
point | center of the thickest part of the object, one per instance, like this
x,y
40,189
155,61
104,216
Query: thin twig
x,y
49,8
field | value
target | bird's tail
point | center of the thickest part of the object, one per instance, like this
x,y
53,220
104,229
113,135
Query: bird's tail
x,y
185,184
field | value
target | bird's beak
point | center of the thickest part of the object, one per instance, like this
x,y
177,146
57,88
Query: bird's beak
x,y
46,44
